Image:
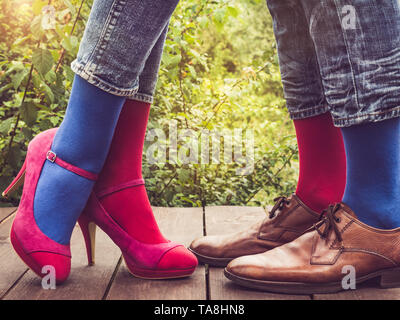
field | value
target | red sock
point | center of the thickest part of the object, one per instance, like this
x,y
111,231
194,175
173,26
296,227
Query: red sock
x,y
129,207
322,159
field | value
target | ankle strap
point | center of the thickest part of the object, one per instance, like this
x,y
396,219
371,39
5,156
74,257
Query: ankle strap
x,y
125,185
52,157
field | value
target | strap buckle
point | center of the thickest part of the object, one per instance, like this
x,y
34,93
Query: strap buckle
x,y
51,156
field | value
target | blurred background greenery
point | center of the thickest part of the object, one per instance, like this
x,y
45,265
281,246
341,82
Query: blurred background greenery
x,y
219,71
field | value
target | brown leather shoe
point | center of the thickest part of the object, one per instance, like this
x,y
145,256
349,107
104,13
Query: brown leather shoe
x,y
287,220
313,263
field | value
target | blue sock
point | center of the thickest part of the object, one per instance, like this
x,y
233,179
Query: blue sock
x,y
373,172
82,140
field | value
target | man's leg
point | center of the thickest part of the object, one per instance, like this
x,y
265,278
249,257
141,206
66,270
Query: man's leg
x,y
359,64
322,156
358,49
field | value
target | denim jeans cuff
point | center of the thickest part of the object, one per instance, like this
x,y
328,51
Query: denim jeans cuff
x,y
307,112
102,84
368,117
143,97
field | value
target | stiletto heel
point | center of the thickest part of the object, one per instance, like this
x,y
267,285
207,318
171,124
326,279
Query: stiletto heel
x,y
16,183
88,229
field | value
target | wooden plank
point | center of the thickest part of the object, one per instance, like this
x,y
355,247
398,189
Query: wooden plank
x,y
5,212
180,225
222,220
369,290
84,282
11,267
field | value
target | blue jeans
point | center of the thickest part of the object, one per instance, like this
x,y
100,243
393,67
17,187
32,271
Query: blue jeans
x,y
341,56
121,48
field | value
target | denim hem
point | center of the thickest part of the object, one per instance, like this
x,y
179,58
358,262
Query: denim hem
x,y
369,117
308,112
81,71
143,97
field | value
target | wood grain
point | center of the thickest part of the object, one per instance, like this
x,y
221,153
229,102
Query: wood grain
x,y
11,267
110,279
6,212
369,290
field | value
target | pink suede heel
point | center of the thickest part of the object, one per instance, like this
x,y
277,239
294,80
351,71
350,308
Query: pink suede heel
x,y
31,244
143,260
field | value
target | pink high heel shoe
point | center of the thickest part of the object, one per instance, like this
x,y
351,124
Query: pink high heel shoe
x,y
31,244
143,260
120,178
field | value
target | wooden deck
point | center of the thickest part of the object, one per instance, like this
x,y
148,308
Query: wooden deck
x,y
110,280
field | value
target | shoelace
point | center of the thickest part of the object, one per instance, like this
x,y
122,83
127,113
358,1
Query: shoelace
x,y
279,203
330,221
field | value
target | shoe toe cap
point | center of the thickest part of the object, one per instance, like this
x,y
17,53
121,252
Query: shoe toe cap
x,y
246,267
206,246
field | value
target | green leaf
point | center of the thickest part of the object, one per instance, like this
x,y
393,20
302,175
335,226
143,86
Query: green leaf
x,y
42,60
36,26
28,113
70,43
54,121
69,74
5,125
51,76
27,132
14,156
45,124
18,77
48,93
36,80
37,6
234,12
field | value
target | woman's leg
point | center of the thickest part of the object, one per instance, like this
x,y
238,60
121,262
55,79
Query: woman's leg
x,y
118,40
83,140
131,207
121,192
61,165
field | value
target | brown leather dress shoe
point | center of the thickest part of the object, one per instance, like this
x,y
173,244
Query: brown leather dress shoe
x,y
318,261
287,220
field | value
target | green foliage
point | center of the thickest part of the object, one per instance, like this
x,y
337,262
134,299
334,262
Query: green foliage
x,y
219,71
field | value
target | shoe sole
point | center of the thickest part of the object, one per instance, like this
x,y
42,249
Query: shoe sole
x,y
211,261
389,278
